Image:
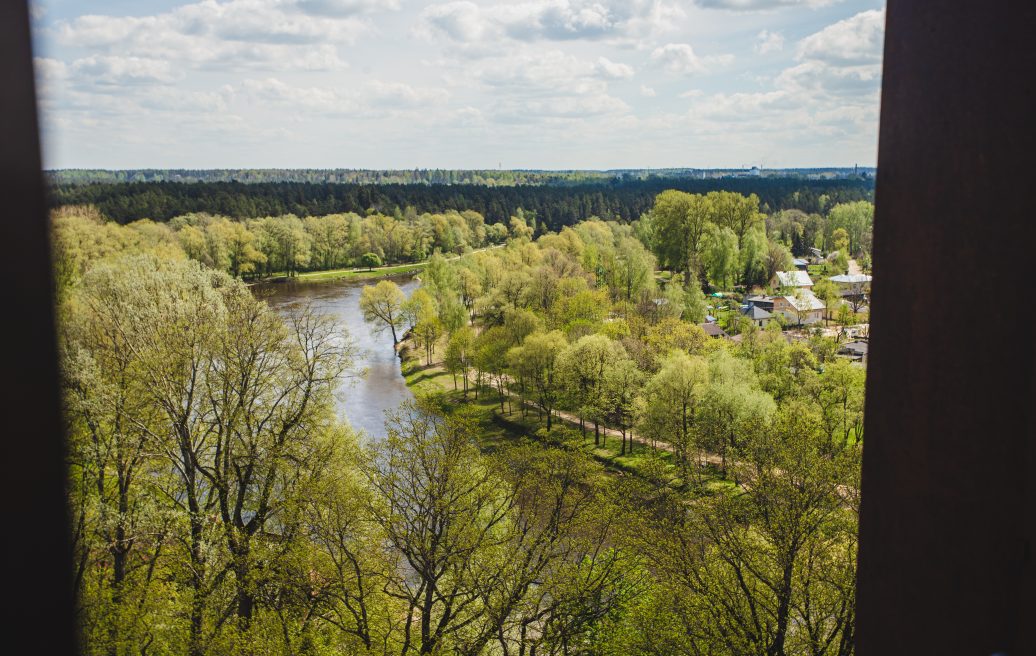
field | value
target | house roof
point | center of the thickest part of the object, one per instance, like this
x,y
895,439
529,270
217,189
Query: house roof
x,y
808,297
798,261
856,348
756,313
713,330
794,279
851,279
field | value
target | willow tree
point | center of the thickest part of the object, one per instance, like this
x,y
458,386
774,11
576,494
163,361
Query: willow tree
x,y
382,305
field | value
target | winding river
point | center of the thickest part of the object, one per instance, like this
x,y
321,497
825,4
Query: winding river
x,y
362,401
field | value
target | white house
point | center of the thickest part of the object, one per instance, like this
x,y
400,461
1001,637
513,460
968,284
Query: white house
x,y
852,284
794,279
804,307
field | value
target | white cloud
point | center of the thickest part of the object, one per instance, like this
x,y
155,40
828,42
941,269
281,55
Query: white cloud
x,y
679,58
558,20
345,7
761,5
855,40
525,82
113,71
767,42
372,100
283,34
830,95
606,68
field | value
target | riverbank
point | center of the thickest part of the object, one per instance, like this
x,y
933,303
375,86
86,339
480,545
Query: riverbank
x,y
350,274
360,274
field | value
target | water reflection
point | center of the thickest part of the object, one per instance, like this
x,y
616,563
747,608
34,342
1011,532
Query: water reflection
x,y
361,401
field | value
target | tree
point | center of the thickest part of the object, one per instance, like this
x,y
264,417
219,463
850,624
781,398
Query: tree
x,y
427,332
752,262
382,305
230,403
720,255
731,411
536,362
621,386
330,236
829,294
581,370
734,211
856,220
459,355
445,512
670,400
370,260
778,258
678,221
762,578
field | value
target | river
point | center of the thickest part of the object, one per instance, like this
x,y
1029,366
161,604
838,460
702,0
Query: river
x,y
361,401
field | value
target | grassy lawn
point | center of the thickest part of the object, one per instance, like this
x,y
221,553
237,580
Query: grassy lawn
x,y
359,274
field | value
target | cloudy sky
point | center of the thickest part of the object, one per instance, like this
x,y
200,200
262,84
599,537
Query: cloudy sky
x,y
459,83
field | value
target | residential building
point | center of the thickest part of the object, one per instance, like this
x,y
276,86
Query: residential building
x,y
804,308
794,280
713,330
756,315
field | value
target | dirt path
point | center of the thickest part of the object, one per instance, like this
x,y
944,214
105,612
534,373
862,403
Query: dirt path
x,y
573,420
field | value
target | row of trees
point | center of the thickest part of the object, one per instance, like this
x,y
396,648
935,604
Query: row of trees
x,y
276,244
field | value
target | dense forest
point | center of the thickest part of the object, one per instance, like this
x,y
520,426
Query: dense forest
x,y
585,471
555,206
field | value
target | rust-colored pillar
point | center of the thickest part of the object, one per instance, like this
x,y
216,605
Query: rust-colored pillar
x,y
946,533
36,562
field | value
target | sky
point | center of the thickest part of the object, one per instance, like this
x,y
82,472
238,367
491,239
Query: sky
x,y
472,84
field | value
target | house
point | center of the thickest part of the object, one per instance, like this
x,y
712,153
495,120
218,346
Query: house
x,y
764,302
800,263
816,255
713,330
855,351
854,288
804,308
854,284
794,279
756,315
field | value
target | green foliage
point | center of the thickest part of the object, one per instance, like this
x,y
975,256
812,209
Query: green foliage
x,y
370,260
221,507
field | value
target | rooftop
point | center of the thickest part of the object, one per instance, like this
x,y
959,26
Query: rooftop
x,y
794,279
851,279
809,300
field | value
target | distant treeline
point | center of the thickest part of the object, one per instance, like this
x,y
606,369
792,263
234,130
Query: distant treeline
x,y
489,177
555,206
